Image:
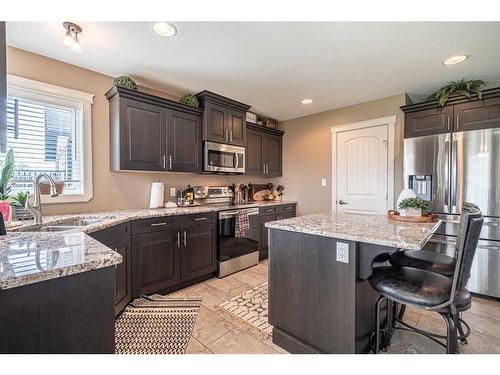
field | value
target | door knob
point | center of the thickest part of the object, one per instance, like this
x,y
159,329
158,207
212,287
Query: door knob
x,y
342,202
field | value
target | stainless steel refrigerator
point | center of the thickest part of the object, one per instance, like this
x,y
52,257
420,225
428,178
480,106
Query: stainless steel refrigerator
x,y
449,169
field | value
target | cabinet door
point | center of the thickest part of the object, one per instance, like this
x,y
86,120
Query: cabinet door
x,y
142,136
183,142
236,121
255,153
123,294
199,251
428,122
156,263
264,243
215,123
273,155
477,115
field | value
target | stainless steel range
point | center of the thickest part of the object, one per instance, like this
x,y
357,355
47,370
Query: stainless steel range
x,y
453,168
236,250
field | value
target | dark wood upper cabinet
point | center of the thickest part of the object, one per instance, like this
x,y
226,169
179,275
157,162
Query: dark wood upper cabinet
x,y
150,133
477,115
264,154
459,114
428,122
156,261
223,119
183,142
199,251
255,152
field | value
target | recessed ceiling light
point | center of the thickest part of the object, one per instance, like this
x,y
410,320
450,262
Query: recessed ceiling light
x,y
455,59
165,29
307,101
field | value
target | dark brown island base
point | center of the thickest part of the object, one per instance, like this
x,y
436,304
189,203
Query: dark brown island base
x,y
319,297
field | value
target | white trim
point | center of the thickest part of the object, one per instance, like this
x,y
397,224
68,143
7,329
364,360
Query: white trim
x,y
48,89
390,121
33,88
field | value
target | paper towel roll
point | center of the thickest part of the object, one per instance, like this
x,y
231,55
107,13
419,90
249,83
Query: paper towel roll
x,y
157,192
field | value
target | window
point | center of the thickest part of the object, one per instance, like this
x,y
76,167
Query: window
x,y
49,129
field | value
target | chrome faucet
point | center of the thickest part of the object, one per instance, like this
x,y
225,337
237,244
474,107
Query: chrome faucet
x,y
35,208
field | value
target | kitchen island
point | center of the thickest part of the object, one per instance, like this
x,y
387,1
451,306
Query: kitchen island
x,y
319,297
57,293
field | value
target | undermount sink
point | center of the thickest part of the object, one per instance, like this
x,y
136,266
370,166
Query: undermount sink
x,y
64,226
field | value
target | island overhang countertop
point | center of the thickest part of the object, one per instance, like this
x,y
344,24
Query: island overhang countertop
x,y
373,229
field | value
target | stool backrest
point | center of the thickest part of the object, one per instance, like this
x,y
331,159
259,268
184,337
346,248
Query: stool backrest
x,y
471,222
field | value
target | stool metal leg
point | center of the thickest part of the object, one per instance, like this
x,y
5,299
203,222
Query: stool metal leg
x,y
391,306
377,324
460,328
401,312
451,334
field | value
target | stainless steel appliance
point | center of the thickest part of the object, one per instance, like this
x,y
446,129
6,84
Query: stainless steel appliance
x,y
237,253
222,158
453,168
233,253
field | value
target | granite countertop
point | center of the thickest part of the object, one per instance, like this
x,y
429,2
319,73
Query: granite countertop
x,y
378,230
27,258
30,257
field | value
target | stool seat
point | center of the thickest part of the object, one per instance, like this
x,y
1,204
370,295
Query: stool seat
x,y
417,287
425,260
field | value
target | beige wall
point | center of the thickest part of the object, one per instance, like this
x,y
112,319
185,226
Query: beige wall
x,y
307,150
112,190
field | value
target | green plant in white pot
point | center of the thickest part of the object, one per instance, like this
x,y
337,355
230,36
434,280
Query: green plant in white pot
x,y
413,207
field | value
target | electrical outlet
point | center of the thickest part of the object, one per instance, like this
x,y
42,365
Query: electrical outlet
x,y
173,192
342,252
323,182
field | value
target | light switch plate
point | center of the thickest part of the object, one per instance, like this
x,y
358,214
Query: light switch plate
x,y
323,182
342,252
173,192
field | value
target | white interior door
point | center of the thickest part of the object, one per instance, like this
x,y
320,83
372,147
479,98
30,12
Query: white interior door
x,y
361,170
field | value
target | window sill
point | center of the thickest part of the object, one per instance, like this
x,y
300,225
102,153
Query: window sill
x,y
77,198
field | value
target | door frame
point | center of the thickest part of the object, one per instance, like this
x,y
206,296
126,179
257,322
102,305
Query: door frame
x,y
390,121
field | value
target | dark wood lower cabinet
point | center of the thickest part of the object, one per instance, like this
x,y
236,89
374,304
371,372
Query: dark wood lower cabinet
x,y
199,253
156,261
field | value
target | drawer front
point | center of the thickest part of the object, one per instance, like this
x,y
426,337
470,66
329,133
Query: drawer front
x,y
208,217
268,210
112,233
155,224
287,208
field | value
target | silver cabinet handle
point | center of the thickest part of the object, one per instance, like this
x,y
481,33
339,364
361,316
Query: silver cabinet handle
x,y
458,121
342,202
263,169
289,208
178,239
185,238
230,135
170,162
237,161
200,219
158,224
227,135
164,162
270,210
448,119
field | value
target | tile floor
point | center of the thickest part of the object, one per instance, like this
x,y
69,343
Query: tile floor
x,y
214,334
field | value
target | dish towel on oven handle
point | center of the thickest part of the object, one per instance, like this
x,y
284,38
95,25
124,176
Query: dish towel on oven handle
x,y
242,224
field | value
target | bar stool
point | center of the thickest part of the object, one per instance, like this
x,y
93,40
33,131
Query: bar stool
x,y
431,261
429,290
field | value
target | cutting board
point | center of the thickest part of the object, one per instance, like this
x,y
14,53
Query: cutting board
x,y
259,196
256,188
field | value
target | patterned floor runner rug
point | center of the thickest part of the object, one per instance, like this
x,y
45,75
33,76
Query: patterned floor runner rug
x,y
249,311
156,325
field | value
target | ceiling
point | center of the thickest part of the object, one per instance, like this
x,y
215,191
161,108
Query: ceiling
x,y
274,65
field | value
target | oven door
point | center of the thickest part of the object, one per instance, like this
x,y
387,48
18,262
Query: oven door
x,y
230,246
223,158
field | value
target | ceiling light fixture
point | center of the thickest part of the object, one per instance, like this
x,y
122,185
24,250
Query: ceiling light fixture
x,y
307,101
71,38
453,60
165,29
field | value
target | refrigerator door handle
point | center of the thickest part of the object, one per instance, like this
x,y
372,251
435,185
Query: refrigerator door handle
x,y
447,148
454,173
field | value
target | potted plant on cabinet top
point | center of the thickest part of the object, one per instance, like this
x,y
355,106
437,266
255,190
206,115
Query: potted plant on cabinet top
x,y
413,207
5,188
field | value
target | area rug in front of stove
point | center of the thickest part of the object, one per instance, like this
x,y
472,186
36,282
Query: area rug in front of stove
x,y
249,311
156,325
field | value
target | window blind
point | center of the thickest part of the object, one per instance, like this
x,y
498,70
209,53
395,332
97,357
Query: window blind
x,y
46,138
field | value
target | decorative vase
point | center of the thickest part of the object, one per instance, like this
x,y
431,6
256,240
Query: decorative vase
x,y
5,210
411,212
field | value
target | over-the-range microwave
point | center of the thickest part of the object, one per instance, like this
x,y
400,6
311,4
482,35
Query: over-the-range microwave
x,y
223,158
